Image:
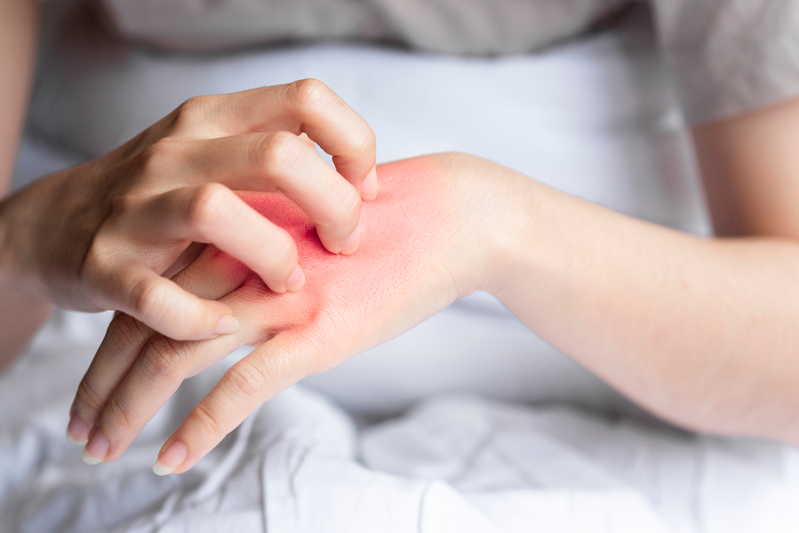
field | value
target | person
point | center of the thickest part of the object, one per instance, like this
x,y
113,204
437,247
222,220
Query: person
x,y
698,331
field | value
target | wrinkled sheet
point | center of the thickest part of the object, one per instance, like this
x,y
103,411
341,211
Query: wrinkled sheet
x,y
452,463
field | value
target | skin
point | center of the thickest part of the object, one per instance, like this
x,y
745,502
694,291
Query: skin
x,y
701,332
606,289
349,304
20,312
119,226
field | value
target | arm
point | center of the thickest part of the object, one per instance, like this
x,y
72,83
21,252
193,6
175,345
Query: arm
x,y
109,233
702,332
21,314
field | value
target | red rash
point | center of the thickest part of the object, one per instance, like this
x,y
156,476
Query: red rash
x,y
355,302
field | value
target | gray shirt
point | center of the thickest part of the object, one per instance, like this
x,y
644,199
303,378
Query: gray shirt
x,y
728,56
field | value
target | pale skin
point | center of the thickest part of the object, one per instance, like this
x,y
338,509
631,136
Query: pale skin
x,y
116,228
699,331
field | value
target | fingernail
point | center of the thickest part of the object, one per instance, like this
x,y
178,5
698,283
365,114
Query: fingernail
x,y
296,280
350,244
77,431
97,448
227,324
369,185
171,458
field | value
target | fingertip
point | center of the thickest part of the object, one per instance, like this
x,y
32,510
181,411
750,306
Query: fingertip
x,y
296,281
97,448
77,431
89,459
350,244
75,442
171,458
370,185
226,325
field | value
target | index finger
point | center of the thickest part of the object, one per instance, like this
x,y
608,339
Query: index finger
x,y
305,106
260,376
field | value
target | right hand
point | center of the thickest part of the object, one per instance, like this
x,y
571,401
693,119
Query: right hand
x,y
109,233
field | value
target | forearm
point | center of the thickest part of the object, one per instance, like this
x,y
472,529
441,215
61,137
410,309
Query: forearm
x,y
701,332
20,314
21,311
18,22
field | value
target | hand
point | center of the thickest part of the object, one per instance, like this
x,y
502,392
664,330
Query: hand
x,y
432,236
109,233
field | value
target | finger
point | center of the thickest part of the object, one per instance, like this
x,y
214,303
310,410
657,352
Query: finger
x,y
168,309
189,255
305,106
212,276
123,341
127,341
307,140
212,213
245,386
282,161
154,377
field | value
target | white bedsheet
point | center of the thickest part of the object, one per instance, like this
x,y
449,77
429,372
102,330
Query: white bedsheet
x,y
454,463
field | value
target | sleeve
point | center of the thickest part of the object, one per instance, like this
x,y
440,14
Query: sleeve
x,y
730,56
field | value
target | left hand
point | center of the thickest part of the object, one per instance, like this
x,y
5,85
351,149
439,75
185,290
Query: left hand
x,y
434,234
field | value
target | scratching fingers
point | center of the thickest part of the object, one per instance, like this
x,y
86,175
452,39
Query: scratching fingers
x,y
304,106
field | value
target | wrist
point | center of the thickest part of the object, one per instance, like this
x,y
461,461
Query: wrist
x,y
482,216
530,245
505,218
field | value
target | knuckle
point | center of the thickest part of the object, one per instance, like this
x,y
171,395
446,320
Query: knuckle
x,y
277,151
88,397
125,332
309,92
161,358
96,260
210,424
193,110
206,204
247,379
119,413
153,157
148,298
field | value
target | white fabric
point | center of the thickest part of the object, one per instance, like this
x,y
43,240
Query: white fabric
x,y
451,26
729,56
453,464
596,119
